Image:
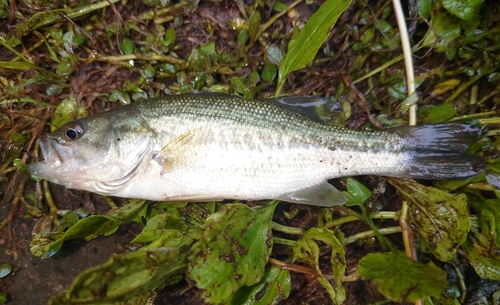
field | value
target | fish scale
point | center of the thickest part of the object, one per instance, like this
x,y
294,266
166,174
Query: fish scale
x,y
259,113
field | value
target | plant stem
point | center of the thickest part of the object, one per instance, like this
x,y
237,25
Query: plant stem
x,y
376,215
384,231
288,230
283,241
50,201
474,115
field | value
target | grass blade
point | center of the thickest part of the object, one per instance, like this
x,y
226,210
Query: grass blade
x,y
302,50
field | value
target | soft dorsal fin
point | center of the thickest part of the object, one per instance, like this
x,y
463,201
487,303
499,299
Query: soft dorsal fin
x,y
305,105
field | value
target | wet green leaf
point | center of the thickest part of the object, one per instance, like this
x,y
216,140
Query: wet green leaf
x,y
233,251
5,269
253,78
242,38
169,68
130,278
273,287
439,218
253,25
78,39
474,36
390,37
383,26
368,35
280,6
17,65
269,72
445,86
239,84
486,234
407,102
169,38
307,250
18,138
400,278
436,114
302,50
65,112
159,225
139,96
168,230
148,71
199,60
176,238
208,48
127,46
199,81
65,68
54,90
424,8
121,96
451,51
464,9
45,245
444,29
68,41
356,193
398,91
275,55
486,267
194,215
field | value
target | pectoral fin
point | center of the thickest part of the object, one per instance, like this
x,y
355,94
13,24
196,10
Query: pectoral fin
x,y
182,150
323,194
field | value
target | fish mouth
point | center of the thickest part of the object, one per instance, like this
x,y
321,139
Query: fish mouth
x,y
54,156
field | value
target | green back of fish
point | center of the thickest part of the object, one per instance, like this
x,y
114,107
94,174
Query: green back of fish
x,y
240,112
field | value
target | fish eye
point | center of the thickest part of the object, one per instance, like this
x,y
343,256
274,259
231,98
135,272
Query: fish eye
x,y
73,131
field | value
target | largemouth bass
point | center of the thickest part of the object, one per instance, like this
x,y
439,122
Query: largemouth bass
x,y
206,146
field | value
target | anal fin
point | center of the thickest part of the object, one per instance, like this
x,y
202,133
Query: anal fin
x,y
323,194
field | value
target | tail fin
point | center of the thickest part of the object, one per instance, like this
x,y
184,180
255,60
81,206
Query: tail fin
x,y
439,151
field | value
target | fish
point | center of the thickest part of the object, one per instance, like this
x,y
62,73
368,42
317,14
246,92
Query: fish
x,y
212,147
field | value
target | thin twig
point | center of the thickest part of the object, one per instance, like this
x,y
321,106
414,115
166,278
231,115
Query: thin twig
x,y
405,43
308,270
355,90
292,267
412,118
